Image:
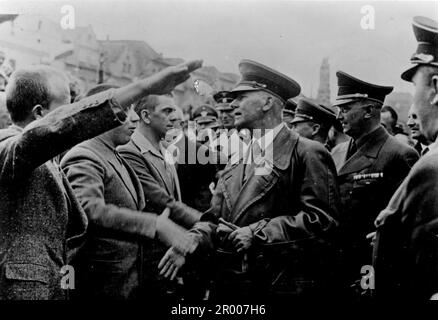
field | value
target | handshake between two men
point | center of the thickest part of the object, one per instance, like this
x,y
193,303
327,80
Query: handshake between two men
x,y
240,239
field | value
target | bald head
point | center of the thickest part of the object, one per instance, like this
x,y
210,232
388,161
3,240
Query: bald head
x,y
32,86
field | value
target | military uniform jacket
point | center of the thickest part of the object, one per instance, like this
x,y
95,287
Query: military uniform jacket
x,y
296,200
111,263
406,248
367,181
41,223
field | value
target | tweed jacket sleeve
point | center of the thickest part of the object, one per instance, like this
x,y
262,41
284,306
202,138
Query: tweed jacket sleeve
x,y
86,174
58,131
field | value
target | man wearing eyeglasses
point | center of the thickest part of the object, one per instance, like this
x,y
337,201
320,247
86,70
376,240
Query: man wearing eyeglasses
x,y
370,166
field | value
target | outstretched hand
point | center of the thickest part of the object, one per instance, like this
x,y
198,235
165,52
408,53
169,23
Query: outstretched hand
x,y
171,263
174,235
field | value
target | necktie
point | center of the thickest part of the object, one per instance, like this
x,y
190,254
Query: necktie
x,y
255,157
352,150
425,150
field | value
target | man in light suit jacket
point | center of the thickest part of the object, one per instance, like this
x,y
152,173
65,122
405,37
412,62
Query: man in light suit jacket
x,y
42,224
155,168
112,196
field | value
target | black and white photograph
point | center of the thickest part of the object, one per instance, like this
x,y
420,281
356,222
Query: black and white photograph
x,y
218,159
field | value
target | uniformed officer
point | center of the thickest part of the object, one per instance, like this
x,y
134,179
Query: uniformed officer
x,y
370,168
289,112
206,117
230,142
313,121
406,250
269,216
223,106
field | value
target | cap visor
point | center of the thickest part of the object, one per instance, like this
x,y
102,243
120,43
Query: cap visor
x,y
298,119
241,88
408,74
343,101
288,112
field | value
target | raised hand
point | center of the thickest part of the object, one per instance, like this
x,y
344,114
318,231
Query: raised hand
x,y
167,79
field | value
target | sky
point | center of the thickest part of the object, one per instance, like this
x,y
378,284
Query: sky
x,y
290,36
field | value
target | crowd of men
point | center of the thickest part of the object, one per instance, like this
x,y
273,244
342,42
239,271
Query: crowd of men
x,y
262,196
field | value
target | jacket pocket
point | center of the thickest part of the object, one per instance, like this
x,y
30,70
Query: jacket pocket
x,y
27,272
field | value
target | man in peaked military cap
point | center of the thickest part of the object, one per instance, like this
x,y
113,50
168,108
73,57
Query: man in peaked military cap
x,y
406,250
205,117
370,168
289,112
264,214
313,121
223,106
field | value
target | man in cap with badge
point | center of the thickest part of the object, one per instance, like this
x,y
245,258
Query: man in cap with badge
x,y
223,106
313,121
206,117
371,165
406,249
266,212
230,142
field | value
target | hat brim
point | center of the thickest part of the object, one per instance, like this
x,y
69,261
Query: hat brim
x,y
299,119
288,112
223,107
242,88
409,74
343,101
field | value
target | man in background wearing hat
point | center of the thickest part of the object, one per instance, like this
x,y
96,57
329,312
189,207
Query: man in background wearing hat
x,y
370,168
206,117
229,140
313,121
289,112
406,249
265,211
223,106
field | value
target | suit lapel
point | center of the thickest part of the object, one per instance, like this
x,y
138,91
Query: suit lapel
x,y
339,155
231,184
157,161
114,163
369,151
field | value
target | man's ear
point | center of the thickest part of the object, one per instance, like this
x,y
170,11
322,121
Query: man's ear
x,y
268,104
435,89
37,111
368,111
145,116
315,129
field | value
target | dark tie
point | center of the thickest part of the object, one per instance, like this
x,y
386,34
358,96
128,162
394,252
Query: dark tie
x,y
425,150
352,149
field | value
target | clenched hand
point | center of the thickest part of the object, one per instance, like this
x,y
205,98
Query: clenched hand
x,y
241,238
